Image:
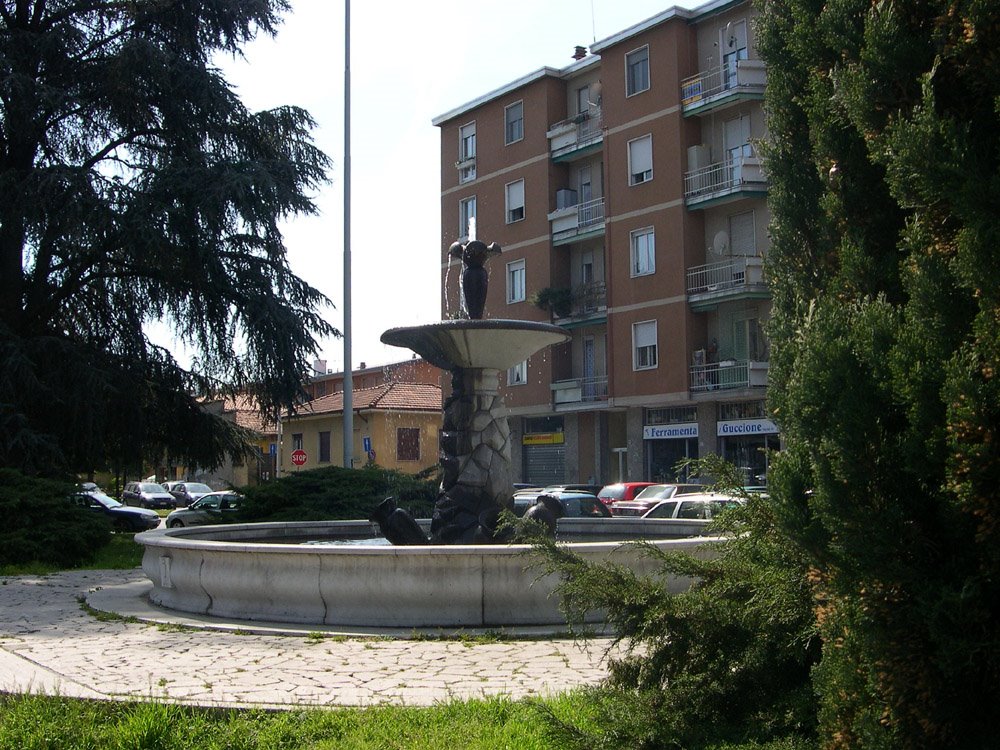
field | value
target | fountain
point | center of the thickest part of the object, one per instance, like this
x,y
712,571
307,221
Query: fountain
x,y
459,575
475,437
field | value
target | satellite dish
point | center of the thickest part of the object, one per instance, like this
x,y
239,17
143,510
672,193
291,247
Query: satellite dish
x,y
720,244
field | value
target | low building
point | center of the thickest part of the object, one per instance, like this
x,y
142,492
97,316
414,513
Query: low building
x,y
395,426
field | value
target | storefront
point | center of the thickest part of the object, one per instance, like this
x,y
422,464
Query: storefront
x,y
544,451
669,436
746,443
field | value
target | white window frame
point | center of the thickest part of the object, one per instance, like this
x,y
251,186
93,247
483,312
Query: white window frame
x,y
636,175
508,123
466,156
464,215
514,209
516,281
643,258
645,356
518,374
629,91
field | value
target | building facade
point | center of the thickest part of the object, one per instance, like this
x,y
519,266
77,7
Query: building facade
x,y
395,425
629,198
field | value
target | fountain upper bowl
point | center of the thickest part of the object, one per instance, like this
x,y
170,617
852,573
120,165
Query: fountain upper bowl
x,y
491,343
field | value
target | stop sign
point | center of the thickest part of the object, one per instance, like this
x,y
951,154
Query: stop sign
x,y
298,457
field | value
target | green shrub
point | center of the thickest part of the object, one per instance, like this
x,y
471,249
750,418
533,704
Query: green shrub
x,y
334,493
40,525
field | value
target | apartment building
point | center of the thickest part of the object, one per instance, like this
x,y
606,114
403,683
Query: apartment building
x,y
630,202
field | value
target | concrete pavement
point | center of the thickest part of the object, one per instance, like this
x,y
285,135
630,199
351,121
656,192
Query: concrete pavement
x,y
50,643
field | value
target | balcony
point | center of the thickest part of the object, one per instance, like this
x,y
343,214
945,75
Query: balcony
x,y
576,137
734,279
579,391
728,375
724,181
588,305
577,222
719,87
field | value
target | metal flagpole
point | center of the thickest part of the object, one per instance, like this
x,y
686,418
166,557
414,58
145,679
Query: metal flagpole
x,y
348,379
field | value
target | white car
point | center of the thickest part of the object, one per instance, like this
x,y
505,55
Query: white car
x,y
704,506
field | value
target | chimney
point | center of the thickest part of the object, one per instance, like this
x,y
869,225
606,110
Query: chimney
x,y
579,53
363,366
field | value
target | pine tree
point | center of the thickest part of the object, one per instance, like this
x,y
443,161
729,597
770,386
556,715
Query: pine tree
x,y
884,169
136,187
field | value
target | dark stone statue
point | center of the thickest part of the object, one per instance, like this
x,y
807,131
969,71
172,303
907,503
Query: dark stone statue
x,y
546,510
475,277
396,524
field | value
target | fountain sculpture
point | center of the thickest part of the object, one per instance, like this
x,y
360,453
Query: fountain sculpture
x,y
288,572
475,437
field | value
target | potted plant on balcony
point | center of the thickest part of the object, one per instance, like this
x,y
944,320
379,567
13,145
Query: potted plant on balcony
x,y
557,300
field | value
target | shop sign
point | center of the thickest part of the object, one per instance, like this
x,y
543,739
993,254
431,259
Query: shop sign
x,y
741,427
543,438
670,431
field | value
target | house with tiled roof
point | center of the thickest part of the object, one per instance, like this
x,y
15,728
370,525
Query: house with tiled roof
x,y
395,426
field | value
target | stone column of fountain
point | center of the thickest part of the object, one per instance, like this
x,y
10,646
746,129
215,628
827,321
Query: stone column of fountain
x,y
475,438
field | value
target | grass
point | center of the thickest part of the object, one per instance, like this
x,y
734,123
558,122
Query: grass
x,y
121,553
54,723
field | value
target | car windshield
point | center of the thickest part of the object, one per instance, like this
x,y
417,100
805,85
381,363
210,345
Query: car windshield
x,y
151,487
107,502
197,487
655,491
614,491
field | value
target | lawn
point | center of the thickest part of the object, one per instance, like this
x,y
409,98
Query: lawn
x,y
53,723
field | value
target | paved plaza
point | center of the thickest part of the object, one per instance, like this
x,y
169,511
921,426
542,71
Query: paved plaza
x,y
51,643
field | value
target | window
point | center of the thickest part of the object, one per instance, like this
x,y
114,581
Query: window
x,y
297,441
324,447
407,443
640,160
734,46
515,201
583,99
467,152
518,374
637,71
466,216
742,237
515,281
644,345
643,252
513,123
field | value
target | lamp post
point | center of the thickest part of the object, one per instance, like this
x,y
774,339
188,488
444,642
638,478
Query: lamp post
x,y
348,379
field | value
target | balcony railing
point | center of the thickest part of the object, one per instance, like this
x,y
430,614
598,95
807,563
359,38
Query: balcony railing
x,y
723,178
580,390
735,273
728,374
739,78
587,300
579,219
577,132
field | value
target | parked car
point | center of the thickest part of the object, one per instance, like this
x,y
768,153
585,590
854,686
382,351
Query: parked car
x,y
702,506
525,498
122,517
650,496
187,492
215,507
613,493
147,495
575,504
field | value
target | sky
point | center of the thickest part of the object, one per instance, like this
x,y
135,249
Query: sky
x,y
410,62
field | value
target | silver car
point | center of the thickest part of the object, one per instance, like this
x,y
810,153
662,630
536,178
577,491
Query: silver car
x,y
213,508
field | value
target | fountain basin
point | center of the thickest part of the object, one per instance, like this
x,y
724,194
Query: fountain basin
x,y
246,572
493,343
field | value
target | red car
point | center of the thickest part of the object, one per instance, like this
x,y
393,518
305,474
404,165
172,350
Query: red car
x,y
612,493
